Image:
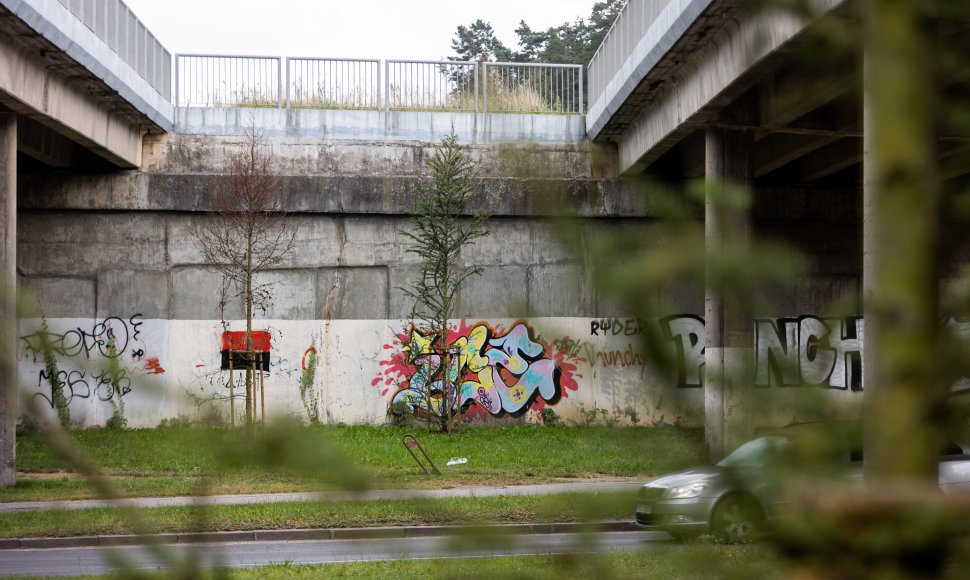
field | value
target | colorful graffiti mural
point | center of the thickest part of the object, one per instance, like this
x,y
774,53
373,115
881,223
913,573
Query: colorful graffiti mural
x,y
494,372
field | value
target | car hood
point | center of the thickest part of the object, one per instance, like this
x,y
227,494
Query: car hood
x,y
686,476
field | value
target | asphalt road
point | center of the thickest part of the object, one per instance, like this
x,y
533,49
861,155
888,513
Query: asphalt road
x,y
102,560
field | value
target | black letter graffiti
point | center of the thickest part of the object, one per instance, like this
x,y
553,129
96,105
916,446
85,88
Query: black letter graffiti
x,y
688,334
776,352
81,341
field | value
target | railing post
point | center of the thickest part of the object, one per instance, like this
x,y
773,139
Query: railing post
x,y
176,80
279,82
485,87
582,105
287,82
379,63
387,85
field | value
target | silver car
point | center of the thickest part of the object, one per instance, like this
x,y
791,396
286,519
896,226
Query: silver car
x,y
732,498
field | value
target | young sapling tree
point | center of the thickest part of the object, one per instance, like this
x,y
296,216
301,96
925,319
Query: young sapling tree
x,y
246,232
442,224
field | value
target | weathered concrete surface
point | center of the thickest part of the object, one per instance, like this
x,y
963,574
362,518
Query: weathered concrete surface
x,y
662,34
381,126
353,293
118,251
344,267
728,398
355,177
64,296
52,94
8,289
64,30
700,56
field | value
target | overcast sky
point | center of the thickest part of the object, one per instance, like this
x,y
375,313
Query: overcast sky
x,y
384,29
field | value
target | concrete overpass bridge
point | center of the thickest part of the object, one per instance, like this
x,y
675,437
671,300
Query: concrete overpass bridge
x,y
110,146
684,90
110,193
671,69
719,91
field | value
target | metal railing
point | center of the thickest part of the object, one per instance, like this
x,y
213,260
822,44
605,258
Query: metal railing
x,y
427,85
630,27
533,88
335,83
208,80
114,23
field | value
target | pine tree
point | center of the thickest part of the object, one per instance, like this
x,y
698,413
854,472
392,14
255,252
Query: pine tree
x,y
441,228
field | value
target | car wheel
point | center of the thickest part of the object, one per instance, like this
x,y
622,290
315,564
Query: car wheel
x,y
736,519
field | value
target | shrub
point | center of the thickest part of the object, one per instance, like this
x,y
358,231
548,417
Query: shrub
x,y
549,417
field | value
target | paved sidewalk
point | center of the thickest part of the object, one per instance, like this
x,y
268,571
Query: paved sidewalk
x,y
582,486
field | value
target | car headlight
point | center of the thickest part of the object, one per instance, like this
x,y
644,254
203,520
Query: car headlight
x,y
686,491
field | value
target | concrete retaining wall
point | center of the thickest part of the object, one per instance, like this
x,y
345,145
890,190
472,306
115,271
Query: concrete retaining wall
x,y
114,255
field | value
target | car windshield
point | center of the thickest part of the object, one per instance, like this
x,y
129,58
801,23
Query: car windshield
x,y
755,453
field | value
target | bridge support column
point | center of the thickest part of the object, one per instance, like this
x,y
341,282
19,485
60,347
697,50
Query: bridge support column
x,y
8,288
728,413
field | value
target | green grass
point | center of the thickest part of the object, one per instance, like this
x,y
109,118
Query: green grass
x,y
167,462
345,514
700,563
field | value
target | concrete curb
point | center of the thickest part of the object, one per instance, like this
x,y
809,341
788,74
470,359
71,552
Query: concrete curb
x,y
311,534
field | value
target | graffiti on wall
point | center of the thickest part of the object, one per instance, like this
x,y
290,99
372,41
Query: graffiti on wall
x,y
801,351
506,373
90,342
109,338
788,352
495,372
631,355
210,384
809,351
235,341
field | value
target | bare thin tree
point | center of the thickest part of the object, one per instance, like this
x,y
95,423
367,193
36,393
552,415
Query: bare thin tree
x,y
246,232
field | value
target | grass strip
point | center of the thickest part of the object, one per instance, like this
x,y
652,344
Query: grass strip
x,y
349,514
170,462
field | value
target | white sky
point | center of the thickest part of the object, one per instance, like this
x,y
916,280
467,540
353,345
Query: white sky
x,y
384,29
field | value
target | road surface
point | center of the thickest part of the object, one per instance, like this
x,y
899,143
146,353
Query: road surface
x,y
103,560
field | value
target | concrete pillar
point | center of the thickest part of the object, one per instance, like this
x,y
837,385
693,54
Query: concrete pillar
x,y
728,422
8,313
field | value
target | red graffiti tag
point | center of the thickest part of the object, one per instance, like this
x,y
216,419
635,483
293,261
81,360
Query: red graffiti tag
x,y
153,365
305,353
